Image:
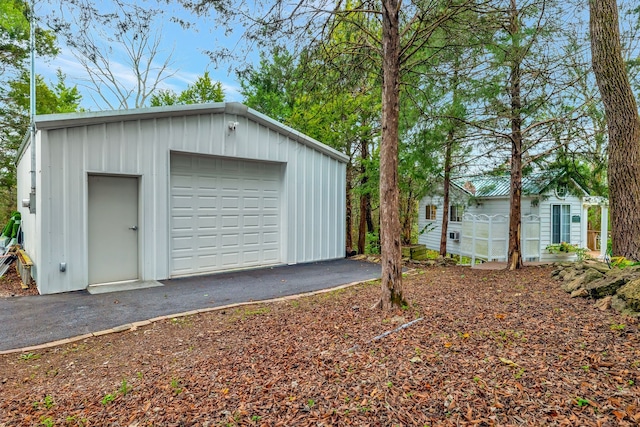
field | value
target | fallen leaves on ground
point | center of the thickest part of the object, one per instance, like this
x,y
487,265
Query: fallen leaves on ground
x,y
10,284
494,348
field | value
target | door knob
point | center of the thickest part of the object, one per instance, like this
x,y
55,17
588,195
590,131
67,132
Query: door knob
x,y
134,228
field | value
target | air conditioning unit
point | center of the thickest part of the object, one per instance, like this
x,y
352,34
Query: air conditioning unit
x,y
454,235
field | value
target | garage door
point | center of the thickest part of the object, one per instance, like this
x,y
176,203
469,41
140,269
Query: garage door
x,y
225,214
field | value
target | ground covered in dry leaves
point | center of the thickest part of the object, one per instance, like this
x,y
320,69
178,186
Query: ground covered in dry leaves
x,y
10,284
494,348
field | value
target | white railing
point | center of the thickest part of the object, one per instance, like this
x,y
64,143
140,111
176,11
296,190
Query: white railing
x,y
530,239
486,237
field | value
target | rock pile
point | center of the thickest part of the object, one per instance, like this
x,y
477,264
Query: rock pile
x,y
617,288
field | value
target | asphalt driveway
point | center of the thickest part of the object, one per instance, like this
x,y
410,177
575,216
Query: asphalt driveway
x,y
32,320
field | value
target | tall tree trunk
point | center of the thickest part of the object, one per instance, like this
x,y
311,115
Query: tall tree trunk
x,y
623,126
514,260
349,221
445,200
362,226
371,228
389,192
407,218
448,154
365,205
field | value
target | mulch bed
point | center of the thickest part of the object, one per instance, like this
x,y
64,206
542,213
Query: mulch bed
x,y
494,348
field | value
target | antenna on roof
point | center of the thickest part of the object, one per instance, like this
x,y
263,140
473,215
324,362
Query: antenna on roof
x,y
32,48
32,104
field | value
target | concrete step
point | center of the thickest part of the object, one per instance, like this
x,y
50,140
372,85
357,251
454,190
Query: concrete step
x,y
103,288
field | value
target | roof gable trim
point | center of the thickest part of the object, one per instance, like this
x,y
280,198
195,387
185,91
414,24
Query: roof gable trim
x,y
59,121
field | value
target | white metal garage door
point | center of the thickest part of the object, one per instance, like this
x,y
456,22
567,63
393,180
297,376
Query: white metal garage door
x,y
225,214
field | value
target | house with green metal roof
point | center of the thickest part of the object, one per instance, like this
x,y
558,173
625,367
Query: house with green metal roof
x,y
554,210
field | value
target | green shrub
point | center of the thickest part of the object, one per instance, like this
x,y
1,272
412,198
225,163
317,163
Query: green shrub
x,y
372,243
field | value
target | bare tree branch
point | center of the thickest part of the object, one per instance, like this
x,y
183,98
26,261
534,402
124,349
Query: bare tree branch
x,y
120,51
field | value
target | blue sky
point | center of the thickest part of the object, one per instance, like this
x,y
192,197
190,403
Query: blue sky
x,y
188,58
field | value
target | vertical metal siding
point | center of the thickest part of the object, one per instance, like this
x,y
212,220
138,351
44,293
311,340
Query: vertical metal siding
x,y
29,224
328,220
313,199
298,224
323,244
309,220
337,199
338,180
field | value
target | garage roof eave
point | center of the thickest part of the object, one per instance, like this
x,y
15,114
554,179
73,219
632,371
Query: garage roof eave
x,y
294,134
59,121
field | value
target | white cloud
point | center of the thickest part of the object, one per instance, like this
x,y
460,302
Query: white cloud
x,y
188,63
232,92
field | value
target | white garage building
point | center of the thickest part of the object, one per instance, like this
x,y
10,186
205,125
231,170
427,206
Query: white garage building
x,y
149,194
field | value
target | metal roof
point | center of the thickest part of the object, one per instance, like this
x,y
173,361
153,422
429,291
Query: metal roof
x,y
58,121
499,186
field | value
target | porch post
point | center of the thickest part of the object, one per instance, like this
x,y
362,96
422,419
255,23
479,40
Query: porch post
x,y
523,238
584,225
604,228
490,238
473,241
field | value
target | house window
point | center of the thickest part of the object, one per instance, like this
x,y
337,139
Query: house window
x,y
430,212
560,223
561,191
455,213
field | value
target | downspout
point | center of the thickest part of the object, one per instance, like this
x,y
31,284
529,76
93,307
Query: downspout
x,y
32,108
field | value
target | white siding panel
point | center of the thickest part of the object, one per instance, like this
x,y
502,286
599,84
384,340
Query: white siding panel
x,y
235,143
335,219
130,158
299,223
340,203
309,221
430,239
324,214
29,225
97,150
262,141
545,220
339,177
490,207
113,147
55,203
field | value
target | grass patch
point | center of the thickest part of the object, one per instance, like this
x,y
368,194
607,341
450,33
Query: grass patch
x,y
176,386
74,348
29,356
331,294
182,321
124,387
108,398
252,311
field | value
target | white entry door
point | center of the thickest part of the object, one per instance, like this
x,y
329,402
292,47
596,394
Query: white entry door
x,y
113,229
225,214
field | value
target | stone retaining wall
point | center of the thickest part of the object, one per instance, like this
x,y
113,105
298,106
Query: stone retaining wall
x,y
617,288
